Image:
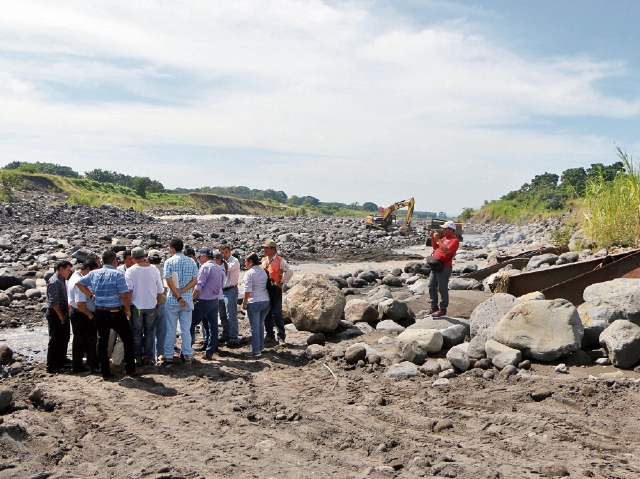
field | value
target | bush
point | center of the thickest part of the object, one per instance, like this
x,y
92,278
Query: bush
x,y
466,214
8,181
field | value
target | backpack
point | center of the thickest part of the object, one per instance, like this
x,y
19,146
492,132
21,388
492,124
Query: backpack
x,y
273,288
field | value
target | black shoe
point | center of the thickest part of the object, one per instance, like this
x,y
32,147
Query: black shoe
x,y
80,370
55,370
231,344
95,371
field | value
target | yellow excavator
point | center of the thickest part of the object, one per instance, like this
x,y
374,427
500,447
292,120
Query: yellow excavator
x,y
387,216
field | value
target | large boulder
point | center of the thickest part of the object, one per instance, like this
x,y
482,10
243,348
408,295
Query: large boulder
x,y
6,354
486,315
453,335
596,319
358,310
389,326
392,280
417,268
622,341
494,348
569,257
463,284
476,348
429,339
506,358
420,287
315,304
6,397
537,261
458,358
393,309
414,352
542,330
621,294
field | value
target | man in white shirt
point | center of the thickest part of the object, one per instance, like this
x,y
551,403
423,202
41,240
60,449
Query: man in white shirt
x,y
228,309
146,289
85,333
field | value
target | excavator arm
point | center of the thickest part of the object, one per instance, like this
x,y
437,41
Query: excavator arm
x,y
385,220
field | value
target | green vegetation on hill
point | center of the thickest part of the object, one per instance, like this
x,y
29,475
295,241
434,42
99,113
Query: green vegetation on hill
x,y
546,194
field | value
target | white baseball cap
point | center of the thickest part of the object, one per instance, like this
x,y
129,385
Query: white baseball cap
x,y
449,224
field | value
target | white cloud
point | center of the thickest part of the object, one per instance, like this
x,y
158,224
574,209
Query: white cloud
x,y
356,105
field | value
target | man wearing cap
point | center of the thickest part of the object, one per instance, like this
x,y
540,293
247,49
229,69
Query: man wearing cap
x,y
280,272
229,306
209,283
108,288
444,249
180,272
145,285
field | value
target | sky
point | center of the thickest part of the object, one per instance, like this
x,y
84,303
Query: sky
x,y
451,102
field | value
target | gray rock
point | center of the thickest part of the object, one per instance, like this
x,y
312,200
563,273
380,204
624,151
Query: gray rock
x,y
595,319
9,278
368,276
537,261
315,304
621,294
364,327
458,358
603,361
533,296
430,368
476,349
483,364
393,309
508,370
33,293
420,287
6,396
430,339
562,368
317,338
540,394
542,330
6,354
488,375
414,352
440,323
493,348
463,284
339,282
389,326
355,353
392,280
507,358
486,315
453,335
622,342
570,257
358,310
403,370
28,284
447,374
417,268
316,351
385,340
5,299
35,395
440,382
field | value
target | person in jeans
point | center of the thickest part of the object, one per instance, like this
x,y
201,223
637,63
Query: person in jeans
x,y
280,272
108,288
57,316
155,258
255,302
85,334
205,295
229,306
444,249
180,272
145,285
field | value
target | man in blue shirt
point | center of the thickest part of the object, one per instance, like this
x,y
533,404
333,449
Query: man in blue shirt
x,y
110,292
180,272
207,290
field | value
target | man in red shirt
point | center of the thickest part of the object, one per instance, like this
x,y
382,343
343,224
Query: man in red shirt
x,y
444,249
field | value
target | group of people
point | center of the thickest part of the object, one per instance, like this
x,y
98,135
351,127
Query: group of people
x,y
133,310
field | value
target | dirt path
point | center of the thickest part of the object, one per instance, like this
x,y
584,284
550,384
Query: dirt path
x,y
281,416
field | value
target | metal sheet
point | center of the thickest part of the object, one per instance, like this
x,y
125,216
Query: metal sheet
x,y
545,278
573,289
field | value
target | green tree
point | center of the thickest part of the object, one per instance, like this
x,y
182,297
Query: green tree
x,y
369,206
8,181
140,185
573,181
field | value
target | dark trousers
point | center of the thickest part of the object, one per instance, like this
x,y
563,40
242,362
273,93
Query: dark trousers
x,y
274,317
439,283
105,322
59,334
85,338
206,311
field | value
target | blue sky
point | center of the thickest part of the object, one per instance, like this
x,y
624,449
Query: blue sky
x,y
451,102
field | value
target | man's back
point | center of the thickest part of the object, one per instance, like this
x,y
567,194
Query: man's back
x,y
145,284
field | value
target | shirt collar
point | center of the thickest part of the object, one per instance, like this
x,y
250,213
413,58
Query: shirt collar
x,y
108,266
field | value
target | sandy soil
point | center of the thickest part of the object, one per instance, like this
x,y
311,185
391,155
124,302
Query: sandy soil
x,y
282,416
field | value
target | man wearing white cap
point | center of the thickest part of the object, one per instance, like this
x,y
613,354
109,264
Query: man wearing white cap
x,y
444,249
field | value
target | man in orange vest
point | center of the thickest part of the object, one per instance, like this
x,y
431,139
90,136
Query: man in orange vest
x,y
280,272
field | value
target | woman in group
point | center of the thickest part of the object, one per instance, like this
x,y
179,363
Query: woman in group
x,y
256,302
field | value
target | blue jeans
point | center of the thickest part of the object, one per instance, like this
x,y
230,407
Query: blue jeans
x,y
174,314
256,312
439,283
229,315
161,330
206,310
274,316
143,323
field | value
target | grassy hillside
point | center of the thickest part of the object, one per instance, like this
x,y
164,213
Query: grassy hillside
x,y
88,192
